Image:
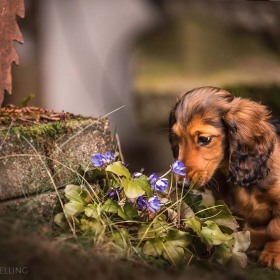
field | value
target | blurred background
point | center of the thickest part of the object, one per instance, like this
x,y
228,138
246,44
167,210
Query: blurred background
x,y
92,57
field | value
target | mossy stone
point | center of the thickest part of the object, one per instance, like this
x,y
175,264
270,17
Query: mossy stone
x,y
38,158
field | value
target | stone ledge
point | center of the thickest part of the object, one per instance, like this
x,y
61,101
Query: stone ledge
x,y
35,157
37,209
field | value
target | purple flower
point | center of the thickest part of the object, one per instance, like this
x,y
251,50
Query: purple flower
x,y
161,184
114,193
153,204
179,168
137,175
98,160
101,160
152,179
141,202
109,157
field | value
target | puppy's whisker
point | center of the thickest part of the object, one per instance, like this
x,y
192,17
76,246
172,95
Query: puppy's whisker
x,y
213,184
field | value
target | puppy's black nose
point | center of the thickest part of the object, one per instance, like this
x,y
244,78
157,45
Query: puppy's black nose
x,y
184,184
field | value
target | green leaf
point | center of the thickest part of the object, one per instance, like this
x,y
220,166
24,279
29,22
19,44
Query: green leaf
x,y
110,206
144,232
179,238
73,208
119,169
186,211
207,197
121,238
153,247
222,216
132,189
242,243
91,211
222,253
172,215
194,200
174,254
143,182
173,247
91,227
77,193
130,210
212,235
195,224
59,219
159,228
123,215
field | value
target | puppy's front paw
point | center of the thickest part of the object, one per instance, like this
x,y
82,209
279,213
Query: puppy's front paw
x,y
270,259
270,255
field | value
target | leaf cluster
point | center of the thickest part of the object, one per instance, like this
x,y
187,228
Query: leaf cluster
x,y
190,225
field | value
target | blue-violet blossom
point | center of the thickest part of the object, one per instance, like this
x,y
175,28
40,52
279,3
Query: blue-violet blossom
x,y
114,193
109,157
137,175
101,160
161,184
178,167
153,204
152,179
98,160
141,202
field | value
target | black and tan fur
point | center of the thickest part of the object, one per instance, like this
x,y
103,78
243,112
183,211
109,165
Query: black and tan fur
x,y
235,143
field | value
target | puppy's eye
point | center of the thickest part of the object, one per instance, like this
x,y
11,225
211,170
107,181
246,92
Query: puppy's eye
x,y
204,140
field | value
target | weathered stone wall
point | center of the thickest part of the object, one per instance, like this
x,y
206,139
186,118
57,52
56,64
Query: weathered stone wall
x,y
33,162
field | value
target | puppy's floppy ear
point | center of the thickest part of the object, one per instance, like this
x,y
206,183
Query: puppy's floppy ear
x,y
173,139
251,141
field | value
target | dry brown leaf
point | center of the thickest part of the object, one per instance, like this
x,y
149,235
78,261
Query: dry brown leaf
x,y
9,32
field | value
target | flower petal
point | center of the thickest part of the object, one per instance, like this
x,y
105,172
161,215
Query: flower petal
x,y
178,167
161,184
153,204
137,175
114,193
98,160
141,202
109,157
152,179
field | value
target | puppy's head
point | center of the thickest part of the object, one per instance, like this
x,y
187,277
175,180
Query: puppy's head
x,y
210,129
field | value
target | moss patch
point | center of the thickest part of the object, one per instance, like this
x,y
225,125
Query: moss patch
x,y
40,148
41,130
33,122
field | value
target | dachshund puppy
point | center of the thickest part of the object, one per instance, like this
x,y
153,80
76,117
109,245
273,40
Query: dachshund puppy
x,y
233,143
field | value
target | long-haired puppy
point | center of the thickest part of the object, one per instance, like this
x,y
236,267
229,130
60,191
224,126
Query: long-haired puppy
x,y
233,142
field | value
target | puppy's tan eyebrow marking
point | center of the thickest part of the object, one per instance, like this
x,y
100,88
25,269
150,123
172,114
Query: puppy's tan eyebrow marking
x,y
177,129
203,133
204,130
